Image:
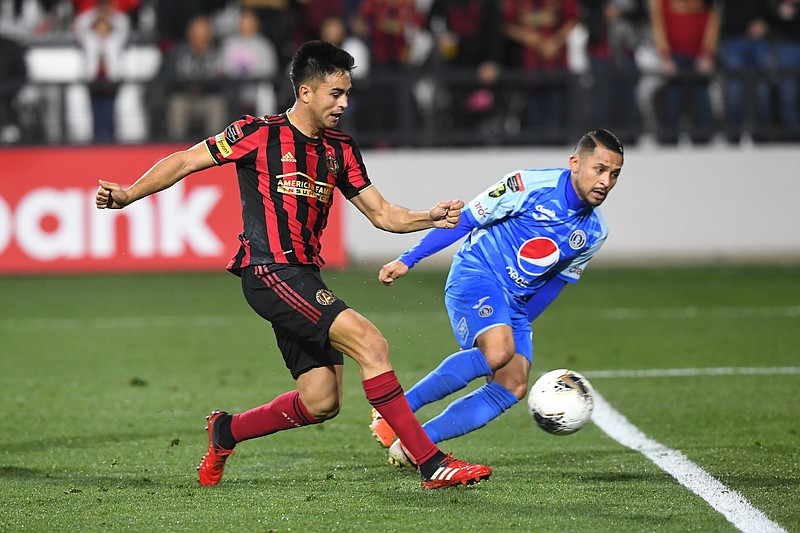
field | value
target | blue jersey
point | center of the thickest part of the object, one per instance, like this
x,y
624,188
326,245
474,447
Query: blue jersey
x,y
531,228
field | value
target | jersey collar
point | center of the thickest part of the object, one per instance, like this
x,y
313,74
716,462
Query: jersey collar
x,y
573,202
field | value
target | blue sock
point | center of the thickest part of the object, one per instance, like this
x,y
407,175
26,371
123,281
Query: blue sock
x,y
471,412
454,373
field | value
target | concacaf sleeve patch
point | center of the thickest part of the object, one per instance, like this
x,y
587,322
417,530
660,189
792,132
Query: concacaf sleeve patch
x,y
222,145
515,183
233,133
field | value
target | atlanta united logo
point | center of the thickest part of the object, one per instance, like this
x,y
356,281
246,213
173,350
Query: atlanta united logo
x,y
325,297
332,164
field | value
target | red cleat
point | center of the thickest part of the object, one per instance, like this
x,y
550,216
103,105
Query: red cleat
x,y
453,472
213,464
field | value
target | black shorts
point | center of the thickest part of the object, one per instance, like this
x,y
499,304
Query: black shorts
x,y
301,309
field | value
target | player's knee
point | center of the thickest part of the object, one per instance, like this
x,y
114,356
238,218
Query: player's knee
x,y
324,408
361,340
498,356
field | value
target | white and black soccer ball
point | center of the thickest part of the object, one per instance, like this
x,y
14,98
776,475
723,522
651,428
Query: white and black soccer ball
x,y
561,401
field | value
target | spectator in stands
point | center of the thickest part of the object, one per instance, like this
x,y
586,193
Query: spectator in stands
x,y
248,55
192,77
613,37
786,29
387,26
173,16
537,32
334,30
744,54
278,19
13,76
128,7
686,34
468,42
312,14
102,32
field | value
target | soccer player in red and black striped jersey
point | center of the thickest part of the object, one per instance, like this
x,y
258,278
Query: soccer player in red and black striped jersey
x,y
288,166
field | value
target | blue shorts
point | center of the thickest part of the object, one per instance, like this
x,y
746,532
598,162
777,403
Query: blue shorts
x,y
475,304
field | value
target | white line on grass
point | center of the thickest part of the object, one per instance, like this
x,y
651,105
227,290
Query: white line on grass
x,y
732,505
684,372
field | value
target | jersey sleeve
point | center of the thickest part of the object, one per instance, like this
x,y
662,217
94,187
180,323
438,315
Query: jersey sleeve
x,y
241,138
500,200
437,239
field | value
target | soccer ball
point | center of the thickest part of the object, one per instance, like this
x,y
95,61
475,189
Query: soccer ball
x,y
561,401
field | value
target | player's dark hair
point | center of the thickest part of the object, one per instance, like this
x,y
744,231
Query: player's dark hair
x,y
601,137
316,60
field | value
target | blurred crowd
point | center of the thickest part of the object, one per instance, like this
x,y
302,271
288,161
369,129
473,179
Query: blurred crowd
x,y
455,72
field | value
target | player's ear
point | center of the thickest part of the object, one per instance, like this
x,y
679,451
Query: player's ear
x,y
304,93
574,161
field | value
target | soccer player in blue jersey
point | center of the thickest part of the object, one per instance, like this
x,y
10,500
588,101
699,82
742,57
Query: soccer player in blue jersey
x,y
528,236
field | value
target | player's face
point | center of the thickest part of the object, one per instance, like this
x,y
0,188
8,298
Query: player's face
x,y
595,174
328,101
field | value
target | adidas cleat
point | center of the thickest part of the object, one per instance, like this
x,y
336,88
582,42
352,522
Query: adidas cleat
x,y
213,464
453,472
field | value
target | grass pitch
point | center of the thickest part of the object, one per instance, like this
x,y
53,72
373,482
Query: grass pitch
x,y
105,381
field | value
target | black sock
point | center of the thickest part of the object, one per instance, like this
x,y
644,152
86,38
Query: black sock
x,y
225,435
428,468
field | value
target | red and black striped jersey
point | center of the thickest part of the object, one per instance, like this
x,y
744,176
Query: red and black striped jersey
x,y
286,183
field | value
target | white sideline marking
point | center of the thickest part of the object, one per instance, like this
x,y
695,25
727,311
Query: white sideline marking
x,y
690,372
732,505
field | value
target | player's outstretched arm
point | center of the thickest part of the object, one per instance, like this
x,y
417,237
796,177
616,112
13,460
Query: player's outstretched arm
x,y
433,241
391,271
162,175
396,219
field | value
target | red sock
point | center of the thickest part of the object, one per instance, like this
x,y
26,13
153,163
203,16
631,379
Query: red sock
x,y
386,395
284,412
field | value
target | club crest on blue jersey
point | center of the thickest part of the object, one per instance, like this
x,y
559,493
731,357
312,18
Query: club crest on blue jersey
x,y
577,239
536,255
484,310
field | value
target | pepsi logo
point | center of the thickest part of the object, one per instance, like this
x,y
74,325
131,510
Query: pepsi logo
x,y
536,255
